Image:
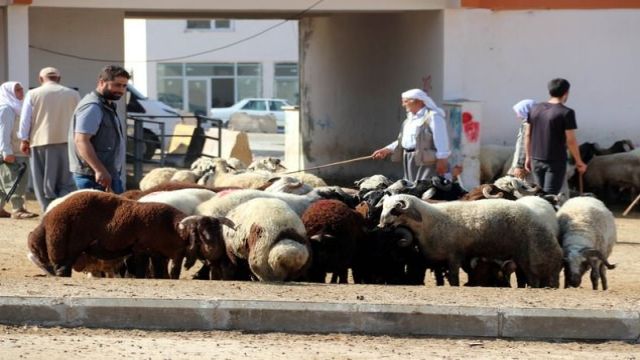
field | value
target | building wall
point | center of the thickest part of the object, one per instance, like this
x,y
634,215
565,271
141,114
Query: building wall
x,y
274,46
351,104
97,34
135,50
501,57
3,44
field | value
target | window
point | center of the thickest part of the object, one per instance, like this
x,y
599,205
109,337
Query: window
x,y
170,92
276,105
181,85
255,105
198,24
286,82
216,24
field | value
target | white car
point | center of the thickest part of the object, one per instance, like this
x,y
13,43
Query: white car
x,y
253,106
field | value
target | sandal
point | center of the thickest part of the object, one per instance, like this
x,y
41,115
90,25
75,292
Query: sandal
x,y
4,213
23,214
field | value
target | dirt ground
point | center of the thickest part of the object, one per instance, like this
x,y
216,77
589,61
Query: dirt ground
x,y
19,277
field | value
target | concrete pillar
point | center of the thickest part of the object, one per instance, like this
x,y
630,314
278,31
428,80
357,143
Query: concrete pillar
x,y
353,69
18,44
268,72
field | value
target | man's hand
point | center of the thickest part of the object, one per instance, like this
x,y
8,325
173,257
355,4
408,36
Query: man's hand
x,y
24,147
442,166
9,159
581,167
527,164
104,179
381,153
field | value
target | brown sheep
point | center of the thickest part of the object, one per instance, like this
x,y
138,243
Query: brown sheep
x,y
107,226
334,229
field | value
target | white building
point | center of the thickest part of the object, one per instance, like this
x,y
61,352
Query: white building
x,y
197,64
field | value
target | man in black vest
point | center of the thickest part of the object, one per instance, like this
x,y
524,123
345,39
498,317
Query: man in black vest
x,y
96,137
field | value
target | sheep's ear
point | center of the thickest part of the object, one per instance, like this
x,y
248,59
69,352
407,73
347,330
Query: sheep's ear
x,y
358,182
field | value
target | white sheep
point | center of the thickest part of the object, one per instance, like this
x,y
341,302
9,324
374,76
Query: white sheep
x,y
588,233
498,229
223,203
188,176
185,200
288,184
271,237
543,212
157,176
494,161
223,177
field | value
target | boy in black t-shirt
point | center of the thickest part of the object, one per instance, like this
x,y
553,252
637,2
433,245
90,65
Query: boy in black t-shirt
x,y
551,129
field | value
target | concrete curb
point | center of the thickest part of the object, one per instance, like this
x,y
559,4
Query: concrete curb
x,y
312,317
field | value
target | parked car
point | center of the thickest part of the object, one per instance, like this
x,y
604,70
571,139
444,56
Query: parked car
x,y
255,107
142,106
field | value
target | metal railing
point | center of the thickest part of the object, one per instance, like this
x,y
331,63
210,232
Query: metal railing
x,y
138,123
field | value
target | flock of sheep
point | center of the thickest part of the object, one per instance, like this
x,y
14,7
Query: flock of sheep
x,y
256,224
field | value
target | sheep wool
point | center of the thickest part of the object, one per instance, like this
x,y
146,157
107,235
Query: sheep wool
x,y
271,237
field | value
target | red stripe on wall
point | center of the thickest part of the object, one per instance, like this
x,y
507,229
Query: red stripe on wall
x,y
551,4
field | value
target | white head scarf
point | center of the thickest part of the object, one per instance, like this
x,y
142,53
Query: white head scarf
x,y
523,107
422,96
8,96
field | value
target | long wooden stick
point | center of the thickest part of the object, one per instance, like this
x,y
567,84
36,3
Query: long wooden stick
x,y
634,203
580,183
328,165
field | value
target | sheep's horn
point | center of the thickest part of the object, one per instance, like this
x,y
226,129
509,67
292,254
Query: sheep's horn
x,y
402,205
406,236
473,263
486,191
428,194
228,222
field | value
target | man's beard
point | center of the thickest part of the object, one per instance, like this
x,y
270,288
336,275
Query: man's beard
x,y
110,96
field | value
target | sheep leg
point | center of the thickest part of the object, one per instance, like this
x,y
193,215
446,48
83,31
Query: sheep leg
x,y
603,276
62,270
204,273
176,267
595,276
159,265
521,278
454,272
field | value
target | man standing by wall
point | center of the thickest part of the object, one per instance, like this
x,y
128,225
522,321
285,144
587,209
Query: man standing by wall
x,y
44,123
96,137
550,131
423,142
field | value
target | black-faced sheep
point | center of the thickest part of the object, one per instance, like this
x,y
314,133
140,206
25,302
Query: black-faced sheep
x,y
106,226
271,237
455,231
334,230
588,232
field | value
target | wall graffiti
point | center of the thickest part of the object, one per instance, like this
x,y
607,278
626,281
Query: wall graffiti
x,y
471,127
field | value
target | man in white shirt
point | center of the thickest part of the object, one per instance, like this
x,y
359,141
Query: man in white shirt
x,y
44,124
423,142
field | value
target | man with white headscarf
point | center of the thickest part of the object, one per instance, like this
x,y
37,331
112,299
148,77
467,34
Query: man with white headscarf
x,y
423,142
521,109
